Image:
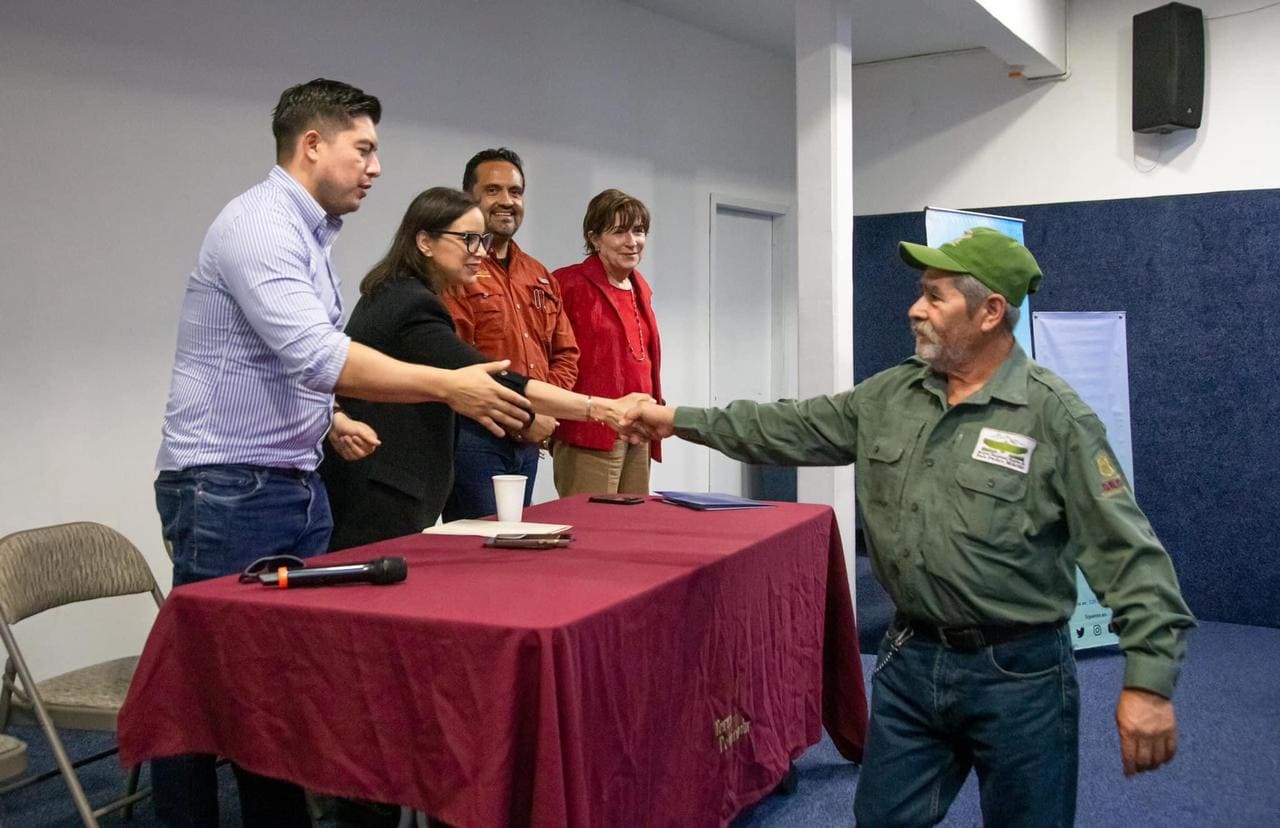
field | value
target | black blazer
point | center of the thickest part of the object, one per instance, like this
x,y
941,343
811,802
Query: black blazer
x,y
402,486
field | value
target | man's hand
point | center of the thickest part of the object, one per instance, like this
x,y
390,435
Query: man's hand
x,y
1148,730
352,439
473,393
648,421
540,429
612,412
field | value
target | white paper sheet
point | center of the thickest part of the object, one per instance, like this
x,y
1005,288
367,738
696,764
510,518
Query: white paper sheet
x,y
489,528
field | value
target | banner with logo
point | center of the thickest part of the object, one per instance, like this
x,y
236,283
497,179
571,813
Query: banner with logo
x,y
1090,351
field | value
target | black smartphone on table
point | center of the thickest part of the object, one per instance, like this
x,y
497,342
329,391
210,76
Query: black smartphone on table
x,y
616,499
529,541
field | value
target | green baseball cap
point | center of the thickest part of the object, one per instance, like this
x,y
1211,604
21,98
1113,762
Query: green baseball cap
x,y
989,256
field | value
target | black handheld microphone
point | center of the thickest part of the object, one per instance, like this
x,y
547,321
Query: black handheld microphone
x,y
378,571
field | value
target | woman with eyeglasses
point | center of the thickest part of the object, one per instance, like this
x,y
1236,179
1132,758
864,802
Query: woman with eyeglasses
x,y
401,487
609,306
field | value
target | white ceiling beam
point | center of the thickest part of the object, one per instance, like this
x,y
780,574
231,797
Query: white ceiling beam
x,y
1029,35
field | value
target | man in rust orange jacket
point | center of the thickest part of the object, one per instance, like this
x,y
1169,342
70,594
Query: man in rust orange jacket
x,y
511,311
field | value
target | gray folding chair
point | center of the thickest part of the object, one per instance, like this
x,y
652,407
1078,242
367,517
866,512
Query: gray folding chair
x,y
49,567
13,757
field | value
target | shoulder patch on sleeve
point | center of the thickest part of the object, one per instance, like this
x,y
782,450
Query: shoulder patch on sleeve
x,y
1112,482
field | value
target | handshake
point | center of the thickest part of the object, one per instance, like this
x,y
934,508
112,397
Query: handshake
x,y
636,417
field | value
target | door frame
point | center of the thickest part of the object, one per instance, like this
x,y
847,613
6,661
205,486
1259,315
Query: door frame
x,y
779,215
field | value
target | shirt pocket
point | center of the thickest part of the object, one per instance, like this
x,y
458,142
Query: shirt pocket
x,y
989,502
884,473
488,319
547,307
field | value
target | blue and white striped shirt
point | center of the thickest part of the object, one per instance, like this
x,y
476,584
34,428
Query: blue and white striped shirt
x,y
260,344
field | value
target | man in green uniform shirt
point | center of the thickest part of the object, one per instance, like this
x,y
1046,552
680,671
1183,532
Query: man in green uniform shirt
x,y
982,480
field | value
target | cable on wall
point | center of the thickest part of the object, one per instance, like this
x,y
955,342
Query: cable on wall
x,y
1246,11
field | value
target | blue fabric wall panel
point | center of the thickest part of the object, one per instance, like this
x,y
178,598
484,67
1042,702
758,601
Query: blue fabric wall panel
x,y
883,288
1199,279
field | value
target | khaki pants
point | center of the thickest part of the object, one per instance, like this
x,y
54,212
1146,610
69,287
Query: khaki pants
x,y
622,470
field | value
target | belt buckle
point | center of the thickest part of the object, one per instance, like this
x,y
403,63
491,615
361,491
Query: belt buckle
x,y
962,638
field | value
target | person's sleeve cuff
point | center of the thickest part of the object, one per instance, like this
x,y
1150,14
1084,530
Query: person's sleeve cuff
x,y
689,422
1146,672
512,380
326,379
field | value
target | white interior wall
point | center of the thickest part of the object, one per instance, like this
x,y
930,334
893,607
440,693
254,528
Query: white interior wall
x,y
127,126
957,132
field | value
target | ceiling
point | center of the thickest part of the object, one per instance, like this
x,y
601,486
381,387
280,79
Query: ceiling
x,y
882,29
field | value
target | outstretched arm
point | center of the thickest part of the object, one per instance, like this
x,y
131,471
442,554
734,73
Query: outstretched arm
x,y
556,402
821,431
371,375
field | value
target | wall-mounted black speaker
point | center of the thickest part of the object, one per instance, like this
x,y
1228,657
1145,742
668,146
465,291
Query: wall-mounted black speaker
x,y
1168,68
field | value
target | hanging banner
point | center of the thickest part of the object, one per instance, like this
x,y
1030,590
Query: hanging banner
x,y
942,225
1090,351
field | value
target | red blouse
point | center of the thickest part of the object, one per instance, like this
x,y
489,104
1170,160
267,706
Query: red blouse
x,y
610,325
637,373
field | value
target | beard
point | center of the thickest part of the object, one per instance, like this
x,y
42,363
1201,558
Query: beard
x,y
940,356
502,226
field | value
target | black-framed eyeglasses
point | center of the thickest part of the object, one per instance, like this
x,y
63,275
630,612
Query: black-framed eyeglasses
x,y
271,563
473,241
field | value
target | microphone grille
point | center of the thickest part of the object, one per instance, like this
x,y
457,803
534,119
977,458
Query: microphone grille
x,y
388,570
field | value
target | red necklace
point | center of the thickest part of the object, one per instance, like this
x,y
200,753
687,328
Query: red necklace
x,y
639,354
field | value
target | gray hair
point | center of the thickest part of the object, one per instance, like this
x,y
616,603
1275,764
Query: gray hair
x,y
975,293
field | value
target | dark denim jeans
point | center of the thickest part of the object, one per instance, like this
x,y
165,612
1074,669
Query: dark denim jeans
x,y
1011,712
477,457
219,519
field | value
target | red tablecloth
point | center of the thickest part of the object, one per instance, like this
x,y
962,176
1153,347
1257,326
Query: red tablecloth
x,y
661,670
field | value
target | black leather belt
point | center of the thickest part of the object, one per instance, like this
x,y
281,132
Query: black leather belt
x,y
971,638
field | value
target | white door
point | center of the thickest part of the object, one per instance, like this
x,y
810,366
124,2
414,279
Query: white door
x,y
742,321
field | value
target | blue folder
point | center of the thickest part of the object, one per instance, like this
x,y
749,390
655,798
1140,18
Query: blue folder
x,y
711,501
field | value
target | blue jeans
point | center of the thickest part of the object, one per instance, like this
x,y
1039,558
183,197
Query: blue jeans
x,y
218,519
1010,711
477,457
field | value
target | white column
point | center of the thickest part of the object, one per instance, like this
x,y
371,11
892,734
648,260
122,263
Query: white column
x,y
824,218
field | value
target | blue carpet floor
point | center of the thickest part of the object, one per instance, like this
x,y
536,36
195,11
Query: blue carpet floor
x,y
1227,772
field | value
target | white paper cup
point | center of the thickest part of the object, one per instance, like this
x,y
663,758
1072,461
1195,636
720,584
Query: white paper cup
x,y
508,492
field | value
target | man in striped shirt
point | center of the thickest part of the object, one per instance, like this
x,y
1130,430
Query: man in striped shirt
x,y
260,355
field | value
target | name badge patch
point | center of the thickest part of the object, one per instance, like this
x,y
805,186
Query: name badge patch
x,y
1005,448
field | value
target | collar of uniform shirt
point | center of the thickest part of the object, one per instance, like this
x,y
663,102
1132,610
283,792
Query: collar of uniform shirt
x,y
1009,383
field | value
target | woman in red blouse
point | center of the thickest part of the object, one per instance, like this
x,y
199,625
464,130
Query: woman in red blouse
x,y
608,304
